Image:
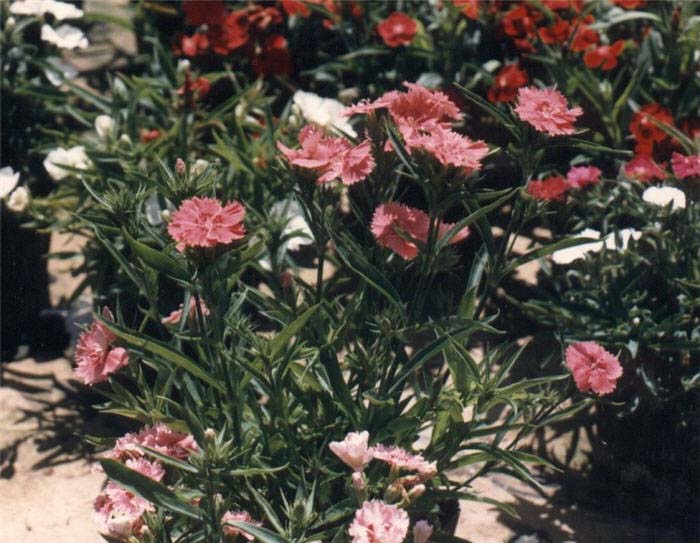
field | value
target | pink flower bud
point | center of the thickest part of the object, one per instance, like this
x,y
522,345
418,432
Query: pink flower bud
x,y
422,531
180,167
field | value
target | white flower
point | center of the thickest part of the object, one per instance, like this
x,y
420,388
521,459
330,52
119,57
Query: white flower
x,y
19,199
291,211
104,124
199,166
59,70
570,254
8,180
621,241
65,37
74,157
662,196
60,10
324,112
124,138
183,65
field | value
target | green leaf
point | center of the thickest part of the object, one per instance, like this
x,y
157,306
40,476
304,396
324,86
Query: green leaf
x,y
163,350
544,251
147,488
290,331
263,534
156,259
501,117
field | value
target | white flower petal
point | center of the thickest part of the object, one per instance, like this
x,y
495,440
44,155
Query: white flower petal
x,y
60,10
8,180
663,196
64,37
104,125
325,112
74,157
571,254
19,200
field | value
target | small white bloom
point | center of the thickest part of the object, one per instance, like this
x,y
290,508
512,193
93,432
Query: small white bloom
x,y
570,254
325,112
10,24
74,157
662,196
291,211
64,37
19,199
60,10
8,180
621,241
59,70
199,166
104,124
182,66
124,138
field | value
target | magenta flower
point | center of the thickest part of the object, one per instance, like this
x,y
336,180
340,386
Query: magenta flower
x,y
353,450
238,516
378,522
158,437
582,176
547,110
594,368
401,459
96,358
398,227
685,166
204,222
176,316
644,169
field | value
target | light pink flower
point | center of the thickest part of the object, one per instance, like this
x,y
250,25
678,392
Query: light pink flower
x,y
644,169
353,450
399,459
118,511
158,437
593,367
399,227
547,110
204,222
238,516
581,176
176,316
685,166
450,148
330,157
95,357
378,522
422,531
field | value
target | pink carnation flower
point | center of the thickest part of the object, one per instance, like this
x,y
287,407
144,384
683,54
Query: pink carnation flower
x,y
118,511
451,148
593,367
422,531
685,166
378,522
204,222
176,316
546,110
158,437
398,227
238,516
581,176
353,450
330,157
399,459
95,357
644,169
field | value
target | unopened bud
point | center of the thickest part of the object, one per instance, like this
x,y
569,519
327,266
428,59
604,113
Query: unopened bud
x,y
210,434
358,481
165,214
416,492
180,166
124,138
395,493
10,23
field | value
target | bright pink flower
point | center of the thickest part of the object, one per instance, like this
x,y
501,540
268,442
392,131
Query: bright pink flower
x,y
399,227
399,459
422,531
451,148
176,316
238,516
582,176
397,29
685,166
593,367
378,522
330,157
158,437
546,110
353,450
118,511
549,189
204,222
94,354
644,169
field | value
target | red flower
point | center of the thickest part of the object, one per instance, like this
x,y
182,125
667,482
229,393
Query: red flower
x,y
203,12
628,4
520,22
506,83
645,131
558,33
397,29
584,38
262,18
604,56
470,8
199,88
191,46
576,5
275,58
549,189
232,34
644,169
685,166
147,136
296,7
